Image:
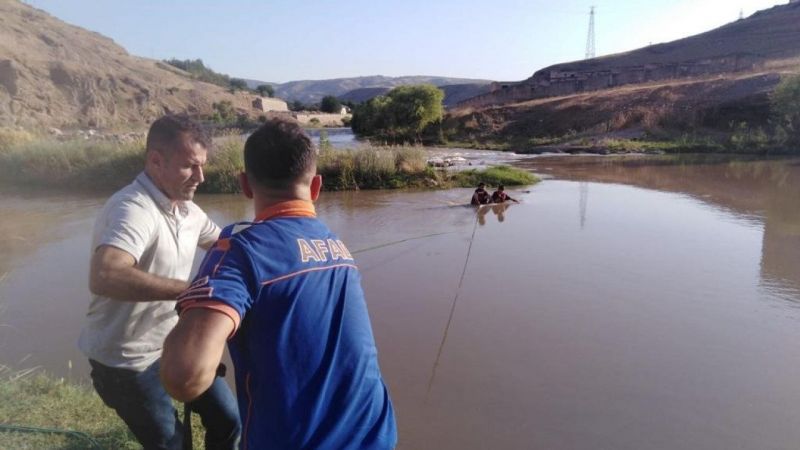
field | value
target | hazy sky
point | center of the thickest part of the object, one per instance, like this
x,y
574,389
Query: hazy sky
x,y
282,40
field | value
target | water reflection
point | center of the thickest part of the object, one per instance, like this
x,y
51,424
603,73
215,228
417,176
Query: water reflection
x,y
499,211
764,191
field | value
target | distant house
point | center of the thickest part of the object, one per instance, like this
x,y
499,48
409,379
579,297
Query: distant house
x,y
344,111
266,104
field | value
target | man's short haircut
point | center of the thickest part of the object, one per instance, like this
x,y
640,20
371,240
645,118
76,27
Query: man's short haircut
x,y
279,154
166,133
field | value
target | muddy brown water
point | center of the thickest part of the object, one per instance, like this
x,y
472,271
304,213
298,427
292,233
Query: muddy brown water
x,y
623,304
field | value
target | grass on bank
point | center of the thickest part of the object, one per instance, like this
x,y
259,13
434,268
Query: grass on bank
x,y
42,401
108,165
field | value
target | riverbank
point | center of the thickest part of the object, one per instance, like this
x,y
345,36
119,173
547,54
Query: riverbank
x,y
52,413
743,142
107,165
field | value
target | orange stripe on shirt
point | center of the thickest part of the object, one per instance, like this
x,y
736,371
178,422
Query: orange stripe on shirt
x,y
290,208
300,272
214,305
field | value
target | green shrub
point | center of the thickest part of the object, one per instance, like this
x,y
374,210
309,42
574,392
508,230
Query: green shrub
x,y
785,108
10,137
493,176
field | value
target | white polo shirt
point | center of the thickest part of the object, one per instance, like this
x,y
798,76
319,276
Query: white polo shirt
x,y
141,220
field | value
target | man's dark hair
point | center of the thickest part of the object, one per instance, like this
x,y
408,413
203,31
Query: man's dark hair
x,y
166,133
279,154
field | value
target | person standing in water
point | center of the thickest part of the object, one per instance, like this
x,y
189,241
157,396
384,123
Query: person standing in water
x,y
500,196
481,195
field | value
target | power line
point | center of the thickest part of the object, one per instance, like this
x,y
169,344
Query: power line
x,y
590,50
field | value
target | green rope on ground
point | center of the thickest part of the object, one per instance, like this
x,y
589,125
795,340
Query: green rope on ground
x,y
76,434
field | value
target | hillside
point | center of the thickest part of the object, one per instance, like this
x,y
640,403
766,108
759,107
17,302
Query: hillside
x,y
453,93
53,74
704,107
746,45
312,91
706,86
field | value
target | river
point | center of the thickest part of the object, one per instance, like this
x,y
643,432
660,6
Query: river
x,y
622,304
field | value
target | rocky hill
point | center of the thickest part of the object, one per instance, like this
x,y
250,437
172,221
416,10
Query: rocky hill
x,y
746,45
706,85
53,74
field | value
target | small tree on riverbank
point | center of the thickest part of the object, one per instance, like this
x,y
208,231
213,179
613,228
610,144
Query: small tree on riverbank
x,y
330,104
401,115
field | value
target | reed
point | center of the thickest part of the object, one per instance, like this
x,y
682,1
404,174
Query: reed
x,y
106,165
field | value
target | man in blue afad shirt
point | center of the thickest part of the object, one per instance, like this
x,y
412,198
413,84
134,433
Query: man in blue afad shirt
x,y
286,294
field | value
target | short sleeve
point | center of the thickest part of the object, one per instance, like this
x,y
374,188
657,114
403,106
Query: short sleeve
x,y
225,277
128,226
209,232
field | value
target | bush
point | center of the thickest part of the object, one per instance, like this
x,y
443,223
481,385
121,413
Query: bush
x,y
10,137
785,107
224,113
265,90
330,104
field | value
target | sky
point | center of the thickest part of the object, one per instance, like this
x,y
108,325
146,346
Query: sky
x,y
288,40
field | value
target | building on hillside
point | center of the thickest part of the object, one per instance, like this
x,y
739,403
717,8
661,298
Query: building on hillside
x,y
266,104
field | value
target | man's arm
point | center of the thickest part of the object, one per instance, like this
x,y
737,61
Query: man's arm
x,y
192,352
113,273
208,234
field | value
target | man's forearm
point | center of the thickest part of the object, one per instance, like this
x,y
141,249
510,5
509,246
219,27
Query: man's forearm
x,y
192,352
134,285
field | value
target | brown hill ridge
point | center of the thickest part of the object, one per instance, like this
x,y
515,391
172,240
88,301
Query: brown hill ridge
x,y
746,45
53,74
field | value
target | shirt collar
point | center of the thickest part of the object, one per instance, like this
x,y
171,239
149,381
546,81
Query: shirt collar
x,y
161,200
289,208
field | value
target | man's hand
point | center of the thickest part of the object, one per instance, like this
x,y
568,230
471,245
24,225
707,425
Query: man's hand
x,y
113,273
193,351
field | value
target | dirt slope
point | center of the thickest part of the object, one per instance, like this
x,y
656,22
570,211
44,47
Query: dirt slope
x,y
53,74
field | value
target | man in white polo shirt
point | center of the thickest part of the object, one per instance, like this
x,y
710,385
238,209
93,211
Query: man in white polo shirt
x,y
143,247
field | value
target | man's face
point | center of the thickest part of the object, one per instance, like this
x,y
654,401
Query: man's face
x,y
180,171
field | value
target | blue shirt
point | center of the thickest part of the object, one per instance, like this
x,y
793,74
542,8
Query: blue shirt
x,y
307,373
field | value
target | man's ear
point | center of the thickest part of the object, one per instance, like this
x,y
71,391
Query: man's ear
x,y
316,186
245,184
154,158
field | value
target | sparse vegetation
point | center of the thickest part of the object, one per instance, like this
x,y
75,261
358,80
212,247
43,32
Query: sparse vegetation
x,y
43,402
200,71
78,164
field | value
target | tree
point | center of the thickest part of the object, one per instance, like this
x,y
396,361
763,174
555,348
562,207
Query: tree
x,y
330,104
265,90
238,83
785,104
297,105
400,115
